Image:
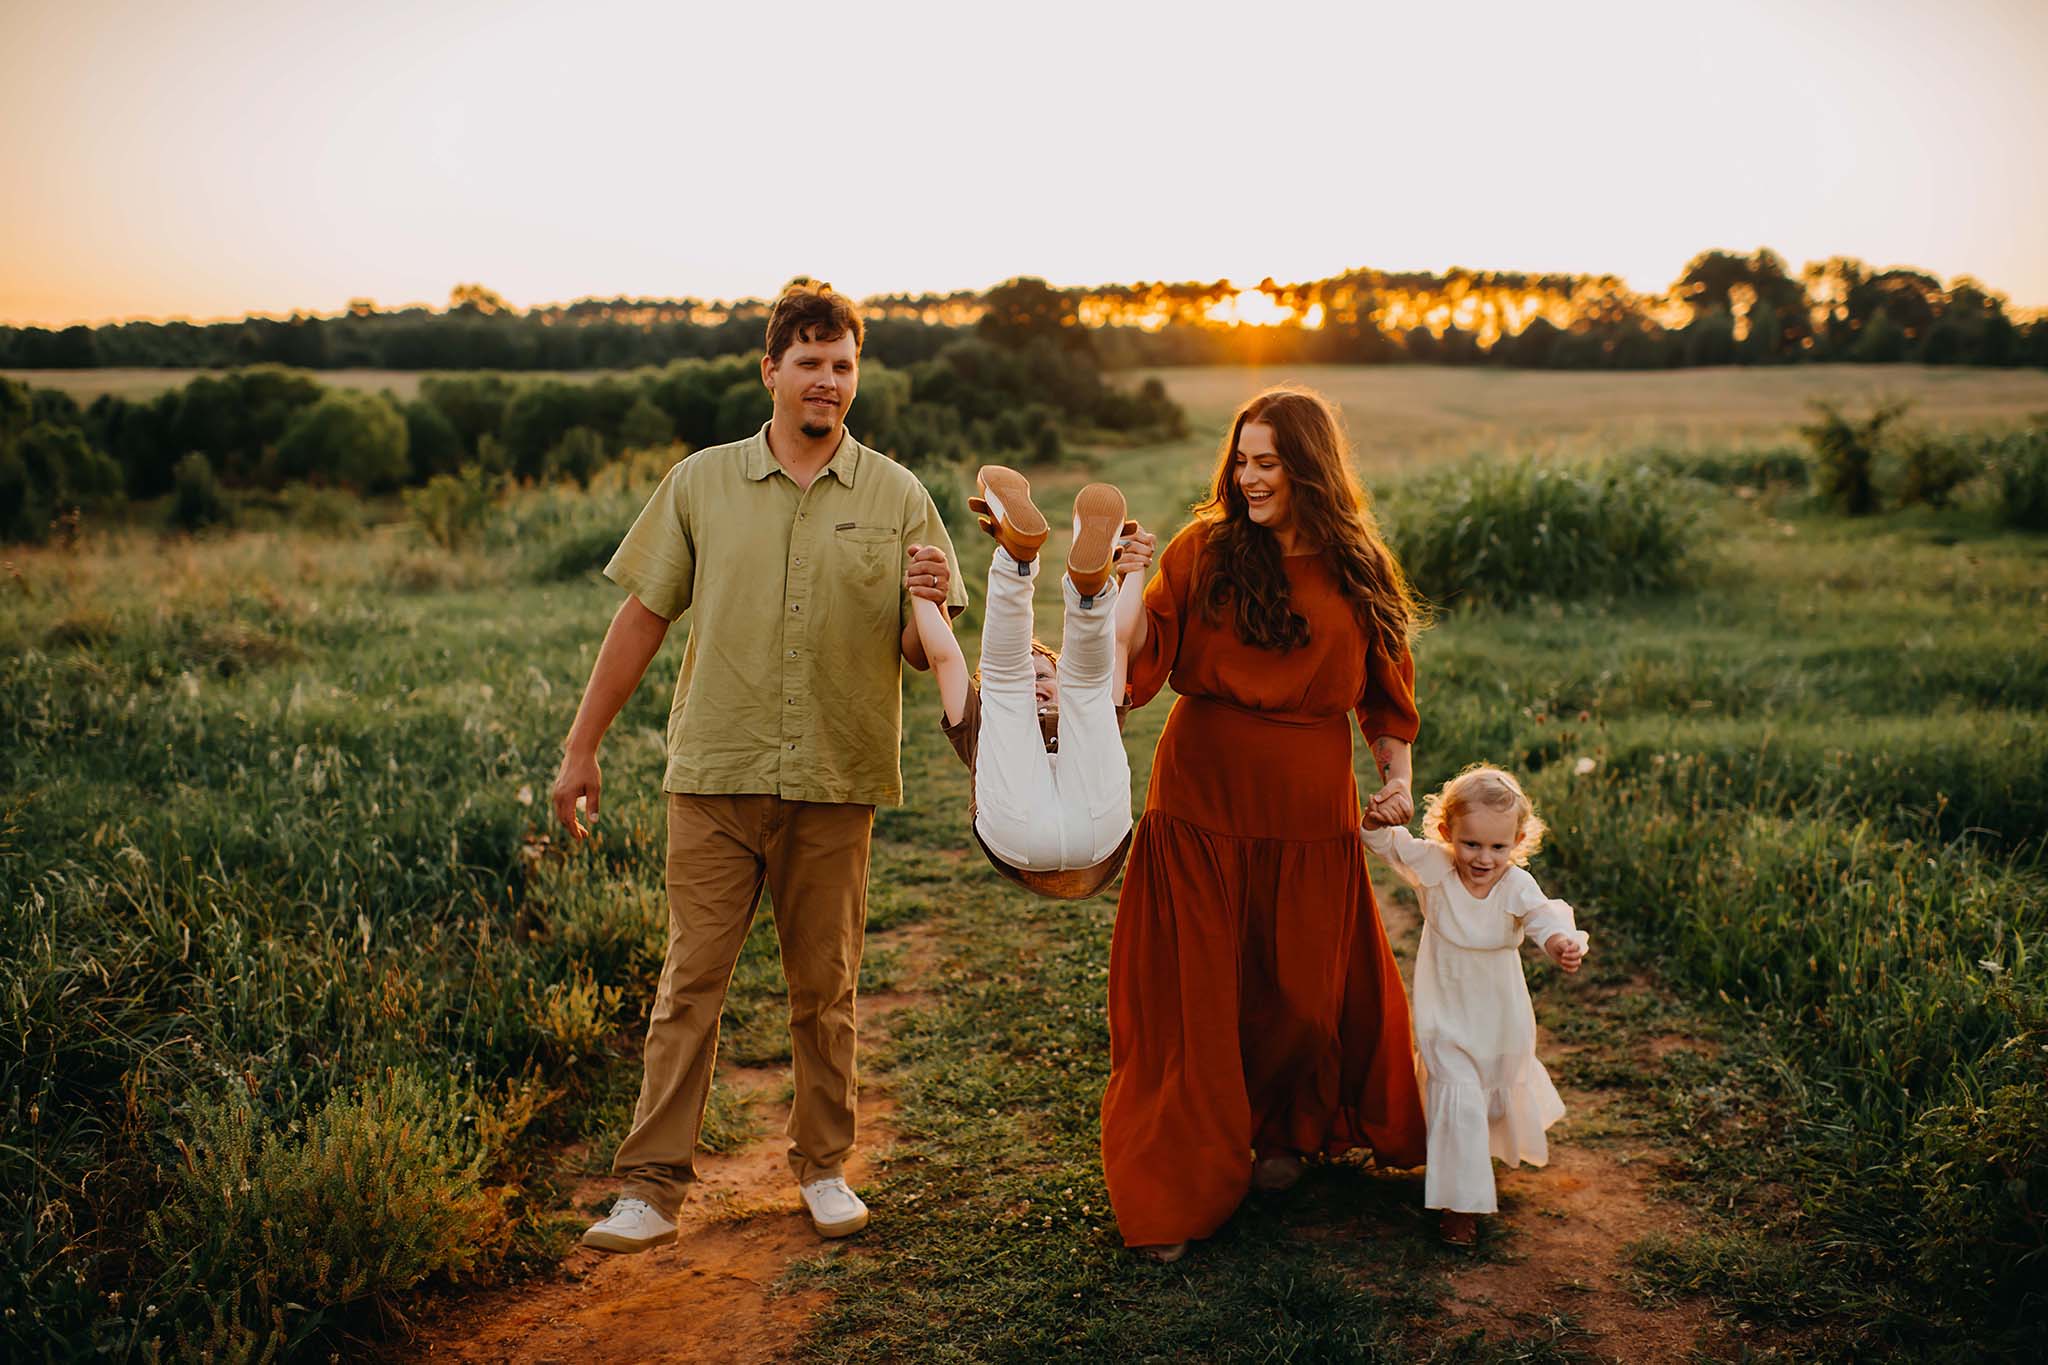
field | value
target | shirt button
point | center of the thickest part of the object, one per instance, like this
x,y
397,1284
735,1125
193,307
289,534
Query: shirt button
x,y
790,700
796,606
799,561
792,654
792,747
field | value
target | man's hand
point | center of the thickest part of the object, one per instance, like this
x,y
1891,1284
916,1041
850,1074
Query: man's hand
x,y
1135,550
928,575
1391,805
1565,951
577,780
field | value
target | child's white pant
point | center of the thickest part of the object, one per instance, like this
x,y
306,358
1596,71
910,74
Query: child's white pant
x,y
1038,811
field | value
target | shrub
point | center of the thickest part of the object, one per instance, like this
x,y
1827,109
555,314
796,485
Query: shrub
x,y
1932,467
433,445
1502,532
2021,463
1846,453
646,425
453,509
381,1188
327,511
1757,469
578,455
196,499
350,438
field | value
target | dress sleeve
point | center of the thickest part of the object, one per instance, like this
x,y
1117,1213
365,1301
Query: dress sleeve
x,y
1168,599
1543,917
1387,706
1418,862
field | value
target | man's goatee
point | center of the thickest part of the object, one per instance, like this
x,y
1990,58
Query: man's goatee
x,y
817,431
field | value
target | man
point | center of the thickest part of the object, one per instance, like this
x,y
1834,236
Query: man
x,y
788,548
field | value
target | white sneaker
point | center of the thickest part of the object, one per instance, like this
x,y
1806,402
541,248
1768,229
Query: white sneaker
x,y
836,1211
633,1226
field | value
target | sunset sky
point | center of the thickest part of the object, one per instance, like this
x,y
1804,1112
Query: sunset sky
x,y
217,158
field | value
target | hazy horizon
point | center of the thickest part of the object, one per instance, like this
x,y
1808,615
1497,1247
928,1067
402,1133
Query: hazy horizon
x,y
225,159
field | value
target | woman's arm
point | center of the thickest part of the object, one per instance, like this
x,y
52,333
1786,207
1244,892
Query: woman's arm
x,y
948,664
1394,802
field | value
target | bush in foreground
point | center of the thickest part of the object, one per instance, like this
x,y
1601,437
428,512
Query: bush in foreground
x,y
1500,533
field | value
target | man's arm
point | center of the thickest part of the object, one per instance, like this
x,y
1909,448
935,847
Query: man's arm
x,y
630,644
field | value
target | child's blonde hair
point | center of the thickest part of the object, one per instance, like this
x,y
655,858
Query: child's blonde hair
x,y
1484,785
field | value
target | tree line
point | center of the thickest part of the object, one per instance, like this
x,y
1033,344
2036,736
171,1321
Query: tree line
x,y
1726,308
267,427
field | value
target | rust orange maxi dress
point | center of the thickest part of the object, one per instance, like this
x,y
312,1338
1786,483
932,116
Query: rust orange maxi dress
x,y
1254,1004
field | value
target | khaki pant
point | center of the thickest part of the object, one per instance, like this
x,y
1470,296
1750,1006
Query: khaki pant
x,y
813,858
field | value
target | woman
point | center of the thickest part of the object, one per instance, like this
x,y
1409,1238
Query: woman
x,y
1255,1012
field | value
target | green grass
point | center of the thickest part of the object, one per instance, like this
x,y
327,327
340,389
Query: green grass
x,y
272,828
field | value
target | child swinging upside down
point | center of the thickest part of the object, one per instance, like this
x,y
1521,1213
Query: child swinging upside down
x,y
1042,732
1485,1094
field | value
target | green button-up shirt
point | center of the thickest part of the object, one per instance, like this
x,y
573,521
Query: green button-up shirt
x,y
791,682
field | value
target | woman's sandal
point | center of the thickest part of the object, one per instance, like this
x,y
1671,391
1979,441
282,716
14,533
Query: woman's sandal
x,y
1166,1254
1458,1229
1098,521
1005,511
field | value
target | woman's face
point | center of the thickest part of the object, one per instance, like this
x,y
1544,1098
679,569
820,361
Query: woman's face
x,y
1481,842
1262,478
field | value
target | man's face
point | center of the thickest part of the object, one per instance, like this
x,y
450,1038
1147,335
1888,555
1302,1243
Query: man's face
x,y
813,384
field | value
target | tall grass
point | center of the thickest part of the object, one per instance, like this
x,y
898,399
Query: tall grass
x,y
1505,532
279,904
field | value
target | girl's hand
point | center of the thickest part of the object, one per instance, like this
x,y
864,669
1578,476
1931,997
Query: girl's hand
x,y
1392,804
1565,951
1134,550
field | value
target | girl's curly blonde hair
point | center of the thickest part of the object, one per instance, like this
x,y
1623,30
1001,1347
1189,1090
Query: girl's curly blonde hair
x,y
1484,785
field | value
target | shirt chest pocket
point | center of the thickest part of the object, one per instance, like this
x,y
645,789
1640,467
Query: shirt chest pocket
x,y
865,561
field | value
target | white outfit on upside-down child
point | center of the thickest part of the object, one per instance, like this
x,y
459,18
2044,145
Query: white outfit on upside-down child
x,y
1035,809
1485,1094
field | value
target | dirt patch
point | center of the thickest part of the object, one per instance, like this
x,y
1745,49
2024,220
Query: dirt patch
x,y
712,1296
1555,1259
1561,1242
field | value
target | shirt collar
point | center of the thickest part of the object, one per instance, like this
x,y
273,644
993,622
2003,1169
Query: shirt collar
x,y
845,462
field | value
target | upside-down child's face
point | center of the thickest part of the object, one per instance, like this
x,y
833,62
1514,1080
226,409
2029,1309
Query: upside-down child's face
x,y
1047,679
1481,842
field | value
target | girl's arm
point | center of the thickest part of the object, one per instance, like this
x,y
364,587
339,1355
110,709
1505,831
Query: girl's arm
x,y
949,665
1550,926
1133,557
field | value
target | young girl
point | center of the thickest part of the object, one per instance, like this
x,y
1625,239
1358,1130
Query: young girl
x,y
1041,731
1485,1094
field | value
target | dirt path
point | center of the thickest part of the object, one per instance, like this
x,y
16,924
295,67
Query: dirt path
x,y
711,1297
1556,1256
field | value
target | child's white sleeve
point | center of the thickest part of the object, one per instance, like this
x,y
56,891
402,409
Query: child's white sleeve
x,y
1418,862
1542,918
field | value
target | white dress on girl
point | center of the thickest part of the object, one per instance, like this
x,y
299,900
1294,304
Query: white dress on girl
x,y
1485,1094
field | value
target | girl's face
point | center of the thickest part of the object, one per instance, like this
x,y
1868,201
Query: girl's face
x,y
1481,841
1262,478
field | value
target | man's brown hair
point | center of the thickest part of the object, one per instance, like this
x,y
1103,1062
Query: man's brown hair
x,y
810,310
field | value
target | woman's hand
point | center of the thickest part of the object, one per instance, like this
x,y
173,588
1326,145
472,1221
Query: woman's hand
x,y
1393,804
1565,951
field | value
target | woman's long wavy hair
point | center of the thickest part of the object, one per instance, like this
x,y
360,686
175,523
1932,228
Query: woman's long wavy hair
x,y
1243,572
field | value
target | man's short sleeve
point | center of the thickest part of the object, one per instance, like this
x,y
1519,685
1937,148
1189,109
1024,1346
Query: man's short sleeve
x,y
657,561
922,525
